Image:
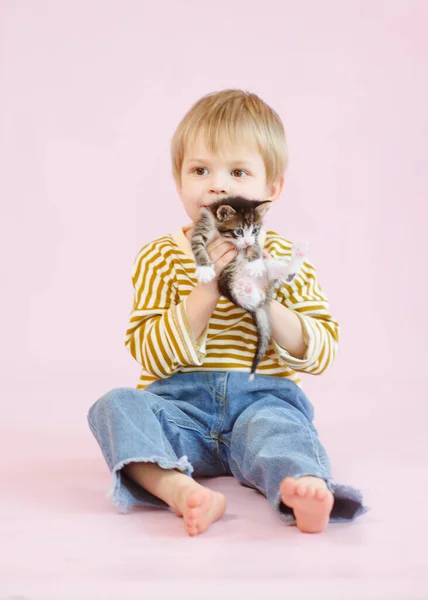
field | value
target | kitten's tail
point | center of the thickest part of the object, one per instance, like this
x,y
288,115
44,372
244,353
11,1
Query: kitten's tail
x,y
262,323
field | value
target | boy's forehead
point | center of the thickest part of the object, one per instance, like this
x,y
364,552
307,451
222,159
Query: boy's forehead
x,y
226,150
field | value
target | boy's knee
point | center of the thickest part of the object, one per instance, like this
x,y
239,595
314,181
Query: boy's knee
x,y
108,402
120,400
267,412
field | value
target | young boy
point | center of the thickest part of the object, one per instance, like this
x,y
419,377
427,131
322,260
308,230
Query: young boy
x,y
194,412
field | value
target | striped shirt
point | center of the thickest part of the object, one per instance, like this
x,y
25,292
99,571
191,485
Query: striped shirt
x,y
161,340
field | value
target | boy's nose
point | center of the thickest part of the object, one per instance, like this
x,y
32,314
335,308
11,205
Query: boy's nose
x,y
219,190
218,184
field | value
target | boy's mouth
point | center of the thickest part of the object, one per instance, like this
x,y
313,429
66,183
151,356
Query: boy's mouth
x,y
208,204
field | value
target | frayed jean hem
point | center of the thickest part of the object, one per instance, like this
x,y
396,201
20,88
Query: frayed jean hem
x,y
348,504
126,496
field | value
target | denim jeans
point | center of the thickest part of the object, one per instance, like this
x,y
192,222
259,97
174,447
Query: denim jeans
x,y
207,424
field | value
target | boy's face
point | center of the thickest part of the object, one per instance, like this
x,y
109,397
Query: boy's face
x,y
236,171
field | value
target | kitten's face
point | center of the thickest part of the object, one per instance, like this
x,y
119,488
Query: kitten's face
x,y
237,171
243,235
240,220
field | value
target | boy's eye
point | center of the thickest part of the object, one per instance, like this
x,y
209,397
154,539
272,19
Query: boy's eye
x,y
239,231
236,172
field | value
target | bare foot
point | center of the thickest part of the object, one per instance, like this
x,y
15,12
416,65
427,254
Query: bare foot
x,y
199,507
311,501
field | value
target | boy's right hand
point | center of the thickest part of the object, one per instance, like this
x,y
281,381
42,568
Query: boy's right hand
x,y
221,254
203,299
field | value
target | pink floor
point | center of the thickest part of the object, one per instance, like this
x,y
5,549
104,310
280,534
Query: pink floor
x,y
62,538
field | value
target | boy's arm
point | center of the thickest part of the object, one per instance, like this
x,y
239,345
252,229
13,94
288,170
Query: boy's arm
x,y
200,305
287,330
165,334
304,334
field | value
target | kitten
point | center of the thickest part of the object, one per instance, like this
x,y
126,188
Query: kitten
x,y
248,280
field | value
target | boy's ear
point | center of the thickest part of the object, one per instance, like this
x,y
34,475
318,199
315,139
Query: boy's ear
x,y
275,188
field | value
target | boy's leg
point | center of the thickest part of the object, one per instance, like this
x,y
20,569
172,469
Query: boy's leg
x,y
275,448
152,447
197,505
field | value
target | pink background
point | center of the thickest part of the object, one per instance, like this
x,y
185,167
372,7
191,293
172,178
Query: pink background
x,y
91,93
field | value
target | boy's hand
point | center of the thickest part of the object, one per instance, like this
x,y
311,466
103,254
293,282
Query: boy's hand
x,y
221,254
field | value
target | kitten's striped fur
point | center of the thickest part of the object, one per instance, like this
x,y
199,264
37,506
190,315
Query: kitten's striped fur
x,y
230,217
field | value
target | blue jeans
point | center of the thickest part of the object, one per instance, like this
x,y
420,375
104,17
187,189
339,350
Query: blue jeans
x,y
216,423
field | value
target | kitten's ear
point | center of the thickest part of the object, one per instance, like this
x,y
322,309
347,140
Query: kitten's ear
x,y
225,212
262,208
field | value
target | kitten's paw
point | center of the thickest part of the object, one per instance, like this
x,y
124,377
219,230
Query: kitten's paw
x,y
277,269
243,288
247,295
300,249
205,274
256,268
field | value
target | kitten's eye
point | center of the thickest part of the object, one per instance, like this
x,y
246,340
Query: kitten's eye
x,y
199,169
239,171
239,231
256,230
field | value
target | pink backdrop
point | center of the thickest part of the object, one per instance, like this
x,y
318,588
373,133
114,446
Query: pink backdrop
x,y
90,95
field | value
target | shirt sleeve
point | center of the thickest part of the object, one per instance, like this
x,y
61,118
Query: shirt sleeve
x,y
159,335
320,331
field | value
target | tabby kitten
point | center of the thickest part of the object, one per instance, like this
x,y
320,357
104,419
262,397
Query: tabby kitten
x,y
248,280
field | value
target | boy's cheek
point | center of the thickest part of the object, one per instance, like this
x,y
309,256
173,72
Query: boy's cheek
x,y
190,187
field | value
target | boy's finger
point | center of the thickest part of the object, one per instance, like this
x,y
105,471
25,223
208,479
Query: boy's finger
x,y
229,256
226,258
221,249
216,243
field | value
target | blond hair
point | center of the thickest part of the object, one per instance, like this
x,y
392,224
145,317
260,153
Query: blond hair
x,y
242,117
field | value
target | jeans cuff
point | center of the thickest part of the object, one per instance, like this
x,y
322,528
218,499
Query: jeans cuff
x,y
126,493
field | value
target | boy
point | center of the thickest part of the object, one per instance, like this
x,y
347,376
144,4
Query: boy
x,y
194,412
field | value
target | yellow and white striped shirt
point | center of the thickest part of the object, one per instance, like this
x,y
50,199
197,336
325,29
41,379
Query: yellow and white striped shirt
x,y
160,339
